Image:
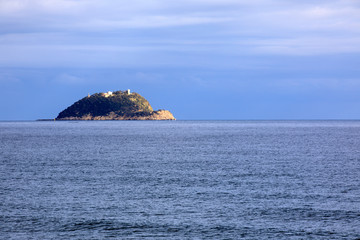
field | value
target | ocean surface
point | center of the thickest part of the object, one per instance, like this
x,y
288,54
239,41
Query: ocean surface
x,y
180,180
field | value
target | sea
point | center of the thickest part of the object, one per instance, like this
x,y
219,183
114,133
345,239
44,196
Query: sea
x,y
180,180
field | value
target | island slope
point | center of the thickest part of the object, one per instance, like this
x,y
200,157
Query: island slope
x,y
119,105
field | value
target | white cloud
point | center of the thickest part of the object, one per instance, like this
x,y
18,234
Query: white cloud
x,y
76,31
28,7
150,22
256,16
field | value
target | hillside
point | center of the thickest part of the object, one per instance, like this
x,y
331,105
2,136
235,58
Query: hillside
x,y
119,105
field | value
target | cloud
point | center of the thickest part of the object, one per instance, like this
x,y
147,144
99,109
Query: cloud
x,y
72,14
308,45
69,79
91,32
16,7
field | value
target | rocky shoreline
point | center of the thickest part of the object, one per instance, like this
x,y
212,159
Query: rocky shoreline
x,y
155,115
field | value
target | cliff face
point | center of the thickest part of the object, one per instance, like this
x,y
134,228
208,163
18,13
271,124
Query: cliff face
x,y
113,106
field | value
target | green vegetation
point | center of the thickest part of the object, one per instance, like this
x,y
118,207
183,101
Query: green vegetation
x,y
99,104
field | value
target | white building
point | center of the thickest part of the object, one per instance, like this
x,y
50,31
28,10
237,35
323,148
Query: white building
x,y
128,91
109,93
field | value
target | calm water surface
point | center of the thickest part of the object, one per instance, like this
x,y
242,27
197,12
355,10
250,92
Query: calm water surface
x,y
180,180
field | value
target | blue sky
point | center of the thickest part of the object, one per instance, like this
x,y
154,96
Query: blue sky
x,y
201,59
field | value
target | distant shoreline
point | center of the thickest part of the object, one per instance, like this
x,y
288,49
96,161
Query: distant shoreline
x,y
45,120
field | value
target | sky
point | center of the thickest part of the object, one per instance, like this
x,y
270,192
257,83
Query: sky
x,y
200,59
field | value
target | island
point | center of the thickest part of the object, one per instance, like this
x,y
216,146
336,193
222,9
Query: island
x,y
118,105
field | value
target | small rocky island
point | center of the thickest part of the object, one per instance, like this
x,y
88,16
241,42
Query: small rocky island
x,y
119,105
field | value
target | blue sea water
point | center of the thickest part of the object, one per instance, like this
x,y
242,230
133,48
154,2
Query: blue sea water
x,y
180,180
